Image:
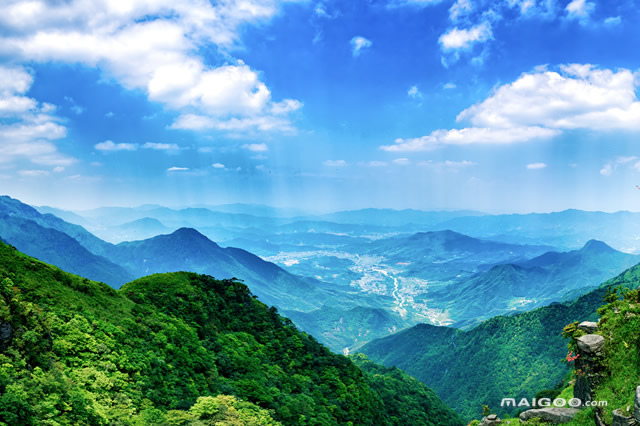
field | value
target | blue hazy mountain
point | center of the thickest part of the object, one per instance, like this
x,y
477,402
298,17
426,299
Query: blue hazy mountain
x,y
569,229
57,248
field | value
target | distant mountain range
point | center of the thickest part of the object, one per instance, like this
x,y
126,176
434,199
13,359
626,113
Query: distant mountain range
x,y
346,283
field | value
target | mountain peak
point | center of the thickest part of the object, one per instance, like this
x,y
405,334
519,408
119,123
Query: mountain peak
x,y
595,246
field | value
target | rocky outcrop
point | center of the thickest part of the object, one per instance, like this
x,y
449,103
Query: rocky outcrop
x,y
591,345
491,419
588,366
550,414
588,326
620,419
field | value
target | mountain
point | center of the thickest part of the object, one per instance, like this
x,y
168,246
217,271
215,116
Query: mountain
x,y
56,247
188,250
548,278
341,329
569,229
391,217
138,229
14,208
444,255
178,348
511,356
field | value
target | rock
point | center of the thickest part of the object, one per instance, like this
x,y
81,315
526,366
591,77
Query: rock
x,y
491,419
588,326
581,389
620,419
591,344
636,406
550,414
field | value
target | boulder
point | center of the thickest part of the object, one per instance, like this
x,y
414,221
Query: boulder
x,y
550,414
581,389
491,419
636,406
588,326
591,344
620,419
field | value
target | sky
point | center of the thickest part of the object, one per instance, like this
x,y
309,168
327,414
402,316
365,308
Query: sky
x,y
497,106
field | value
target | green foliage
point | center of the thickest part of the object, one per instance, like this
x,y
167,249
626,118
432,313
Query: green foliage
x,y
408,400
174,349
509,356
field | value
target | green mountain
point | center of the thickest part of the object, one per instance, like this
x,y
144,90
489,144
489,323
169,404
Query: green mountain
x,y
551,277
511,356
344,328
178,349
188,250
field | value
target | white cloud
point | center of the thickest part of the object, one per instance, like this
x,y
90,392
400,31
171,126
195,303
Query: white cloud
x,y
217,166
449,86
33,173
459,9
177,169
27,127
414,92
612,166
162,39
467,136
456,38
540,105
335,163
613,21
256,147
161,146
111,146
580,10
536,166
574,97
402,161
358,43
447,165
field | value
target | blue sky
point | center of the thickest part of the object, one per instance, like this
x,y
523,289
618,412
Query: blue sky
x,y
500,106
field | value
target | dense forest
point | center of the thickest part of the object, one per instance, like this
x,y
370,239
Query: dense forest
x,y
178,348
513,356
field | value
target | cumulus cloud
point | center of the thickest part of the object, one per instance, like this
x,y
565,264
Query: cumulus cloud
x,y
28,128
414,3
540,105
33,173
536,166
162,39
612,21
217,166
449,86
335,163
359,43
457,38
177,169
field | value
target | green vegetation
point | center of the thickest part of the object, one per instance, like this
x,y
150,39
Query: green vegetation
x,y
176,348
509,356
